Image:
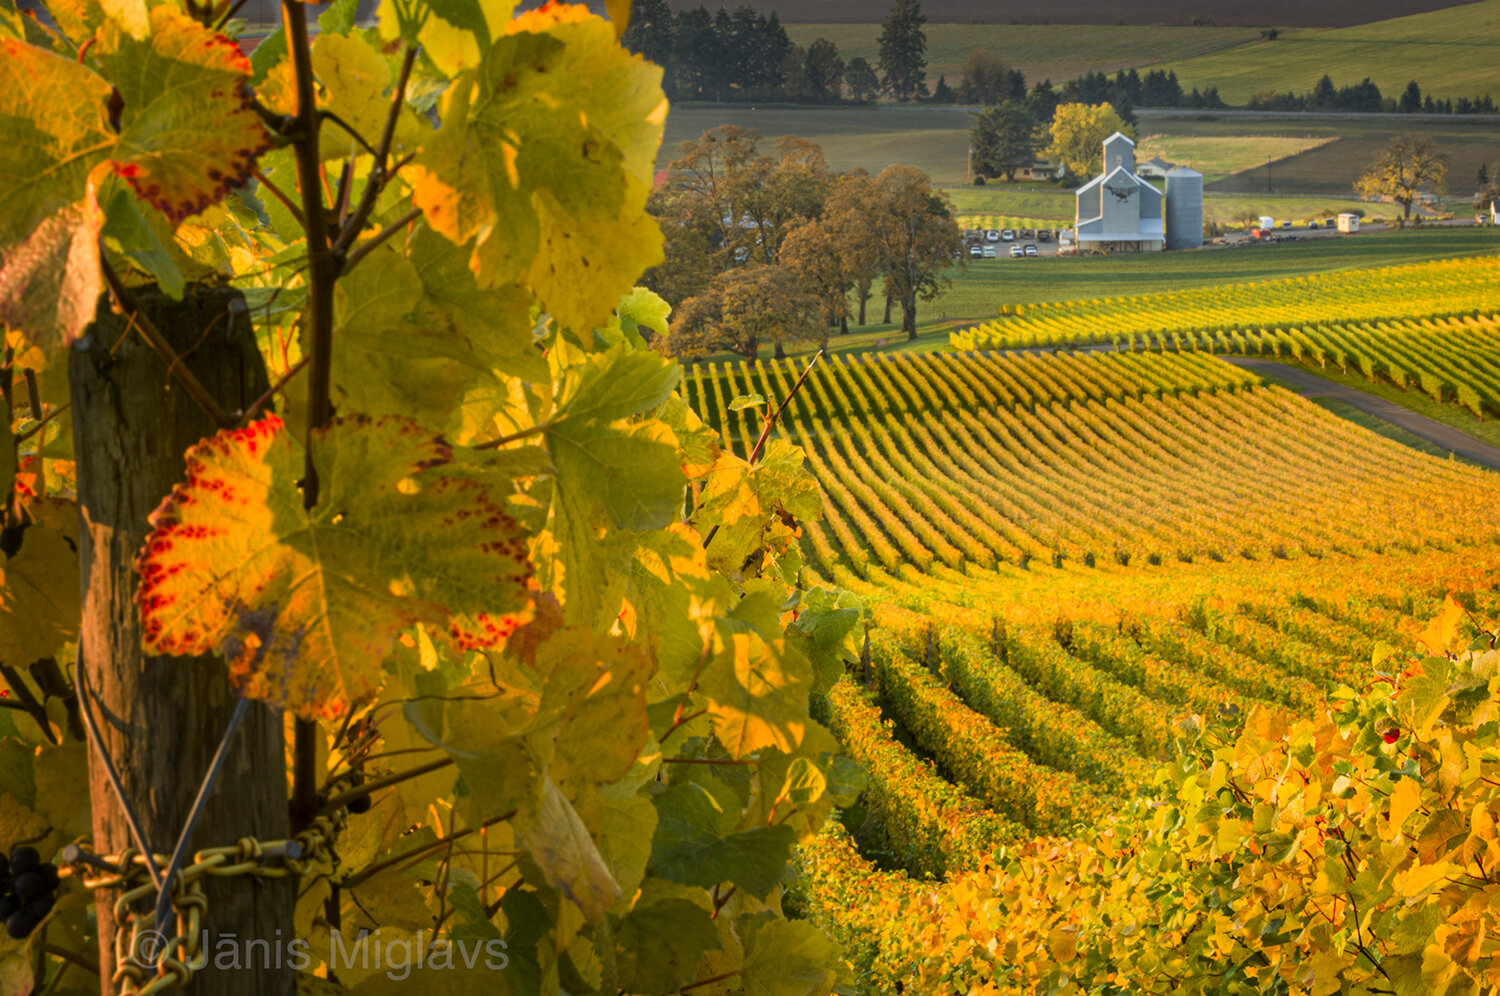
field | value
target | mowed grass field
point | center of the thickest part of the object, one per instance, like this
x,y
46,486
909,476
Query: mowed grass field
x,y
1040,51
1220,156
1449,52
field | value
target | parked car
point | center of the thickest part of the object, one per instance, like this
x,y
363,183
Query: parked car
x,y
1030,249
1286,224
1027,233
976,251
1016,251
1044,235
992,235
1009,235
989,252
1312,224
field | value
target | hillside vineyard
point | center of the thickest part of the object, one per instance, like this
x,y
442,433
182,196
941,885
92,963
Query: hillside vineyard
x,y
948,462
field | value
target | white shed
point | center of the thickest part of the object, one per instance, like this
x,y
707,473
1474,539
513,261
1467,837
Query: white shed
x,y
1348,222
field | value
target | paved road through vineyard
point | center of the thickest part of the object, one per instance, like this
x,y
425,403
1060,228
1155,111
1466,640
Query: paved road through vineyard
x,y
1310,385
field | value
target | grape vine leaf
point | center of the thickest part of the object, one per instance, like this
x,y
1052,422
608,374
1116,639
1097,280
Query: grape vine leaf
x,y
788,958
689,849
305,604
39,599
187,130
586,169
620,382
354,78
551,831
664,941
53,130
757,688
8,463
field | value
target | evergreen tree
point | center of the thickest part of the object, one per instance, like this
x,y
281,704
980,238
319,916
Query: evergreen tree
x,y
860,75
943,93
824,70
1411,99
1003,140
650,33
903,51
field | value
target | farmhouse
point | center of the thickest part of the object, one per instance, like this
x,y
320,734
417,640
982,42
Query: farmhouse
x,y
1119,211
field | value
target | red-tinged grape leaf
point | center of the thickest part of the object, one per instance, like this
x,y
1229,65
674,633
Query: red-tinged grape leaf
x,y
305,604
54,127
39,600
545,161
188,132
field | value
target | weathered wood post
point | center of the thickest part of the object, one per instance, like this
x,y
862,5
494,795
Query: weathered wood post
x,y
161,718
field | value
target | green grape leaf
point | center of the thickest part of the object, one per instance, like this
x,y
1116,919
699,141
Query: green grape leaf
x,y
629,468
625,839
305,604
270,53
187,131
621,382
338,19
497,323
788,958
559,843
689,849
664,941
746,401
643,307
39,599
593,116
132,235
131,15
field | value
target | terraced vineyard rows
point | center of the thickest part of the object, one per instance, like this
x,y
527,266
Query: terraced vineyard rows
x,y
1453,288
963,462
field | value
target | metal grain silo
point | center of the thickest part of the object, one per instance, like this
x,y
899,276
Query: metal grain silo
x,y
1184,209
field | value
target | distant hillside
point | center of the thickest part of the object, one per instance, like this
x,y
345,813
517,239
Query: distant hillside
x,y
1450,53
1225,13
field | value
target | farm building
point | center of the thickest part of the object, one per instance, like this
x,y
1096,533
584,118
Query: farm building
x,y
1119,211
1155,168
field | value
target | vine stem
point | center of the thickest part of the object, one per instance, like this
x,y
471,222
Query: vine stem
x,y
365,248
708,981
371,787
323,270
765,432
205,790
152,335
417,853
379,175
273,390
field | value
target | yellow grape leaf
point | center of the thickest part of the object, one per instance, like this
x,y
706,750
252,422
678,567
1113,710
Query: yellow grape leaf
x,y
54,127
1405,798
1443,628
355,79
39,598
545,159
757,692
305,604
187,130
619,15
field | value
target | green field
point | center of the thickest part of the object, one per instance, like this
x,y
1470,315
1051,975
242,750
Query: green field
x,y
1041,51
1318,156
1221,156
1450,53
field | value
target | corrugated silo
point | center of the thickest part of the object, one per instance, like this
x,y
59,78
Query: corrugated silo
x,y
1184,222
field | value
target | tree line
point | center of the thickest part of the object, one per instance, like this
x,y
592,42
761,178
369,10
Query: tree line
x,y
765,247
744,55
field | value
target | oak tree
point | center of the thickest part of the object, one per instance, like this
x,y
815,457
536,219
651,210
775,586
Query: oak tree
x,y
1003,139
915,238
1407,164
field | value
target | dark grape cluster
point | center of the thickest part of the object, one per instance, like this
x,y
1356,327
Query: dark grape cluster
x,y
29,891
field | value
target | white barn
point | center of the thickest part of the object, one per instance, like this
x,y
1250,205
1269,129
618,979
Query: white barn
x,y
1118,211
